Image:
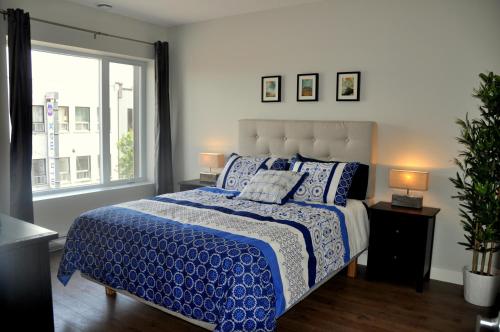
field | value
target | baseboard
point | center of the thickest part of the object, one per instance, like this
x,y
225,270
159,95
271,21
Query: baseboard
x,y
454,277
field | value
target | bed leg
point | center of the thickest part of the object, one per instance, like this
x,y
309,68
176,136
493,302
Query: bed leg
x,y
352,269
110,292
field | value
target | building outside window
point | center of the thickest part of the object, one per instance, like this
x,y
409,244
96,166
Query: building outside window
x,y
82,118
61,119
38,172
63,174
38,119
83,168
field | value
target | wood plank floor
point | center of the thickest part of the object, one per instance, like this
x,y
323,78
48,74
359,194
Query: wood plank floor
x,y
342,304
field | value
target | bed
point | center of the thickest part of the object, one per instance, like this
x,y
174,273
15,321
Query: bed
x,y
227,264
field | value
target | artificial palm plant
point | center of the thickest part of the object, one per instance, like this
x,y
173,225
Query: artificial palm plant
x,y
478,178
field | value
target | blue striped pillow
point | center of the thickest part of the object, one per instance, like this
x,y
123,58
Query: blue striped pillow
x,y
239,170
326,183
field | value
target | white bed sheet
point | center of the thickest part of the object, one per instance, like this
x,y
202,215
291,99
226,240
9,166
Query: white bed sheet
x,y
357,224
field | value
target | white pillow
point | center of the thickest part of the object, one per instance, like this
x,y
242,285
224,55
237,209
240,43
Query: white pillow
x,y
272,186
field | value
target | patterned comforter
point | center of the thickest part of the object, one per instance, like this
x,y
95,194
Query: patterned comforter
x,y
234,263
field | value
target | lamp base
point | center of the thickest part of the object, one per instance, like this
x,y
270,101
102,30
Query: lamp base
x,y
208,177
407,201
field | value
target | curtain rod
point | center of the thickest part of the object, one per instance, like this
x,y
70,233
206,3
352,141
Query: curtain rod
x,y
95,33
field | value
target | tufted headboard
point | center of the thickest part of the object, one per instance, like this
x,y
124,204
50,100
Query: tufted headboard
x,y
325,140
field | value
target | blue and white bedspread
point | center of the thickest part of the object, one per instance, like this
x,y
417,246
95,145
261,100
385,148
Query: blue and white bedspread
x,y
237,264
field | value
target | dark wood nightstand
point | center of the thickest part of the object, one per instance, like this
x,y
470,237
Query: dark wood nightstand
x,y
194,184
401,242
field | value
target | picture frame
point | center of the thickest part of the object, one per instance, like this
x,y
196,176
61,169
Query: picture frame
x,y
348,85
307,87
271,89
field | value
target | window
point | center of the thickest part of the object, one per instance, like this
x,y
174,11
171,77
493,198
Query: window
x,y
38,119
83,168
82,118
38,172
62,170
101,114
61,119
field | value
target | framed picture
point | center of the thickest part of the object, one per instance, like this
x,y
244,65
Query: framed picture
x,y
307,87
271,89
348,84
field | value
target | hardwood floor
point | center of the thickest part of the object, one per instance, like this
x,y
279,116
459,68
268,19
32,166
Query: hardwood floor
x,y
342,304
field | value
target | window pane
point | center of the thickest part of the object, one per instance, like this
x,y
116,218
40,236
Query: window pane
x,y
61,119
72,81
83,168
122,91
38,172
82,118
62,170
38,119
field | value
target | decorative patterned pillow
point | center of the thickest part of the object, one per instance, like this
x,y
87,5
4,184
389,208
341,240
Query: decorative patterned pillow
x,y
272,186
239,170
326,183
359,183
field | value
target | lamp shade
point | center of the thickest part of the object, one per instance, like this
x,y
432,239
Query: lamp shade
x,y
411,180
211,160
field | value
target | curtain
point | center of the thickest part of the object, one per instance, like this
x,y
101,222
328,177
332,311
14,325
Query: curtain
x,y
20,99
164,171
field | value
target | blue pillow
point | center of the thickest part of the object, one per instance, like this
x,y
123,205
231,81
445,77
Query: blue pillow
x,y
277,164
239,170
328,182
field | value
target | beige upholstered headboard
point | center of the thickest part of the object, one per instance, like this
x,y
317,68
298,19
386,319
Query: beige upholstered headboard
x,y
325,140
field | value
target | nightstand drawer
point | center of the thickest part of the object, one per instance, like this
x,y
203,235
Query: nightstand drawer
x,y
393,261
392,230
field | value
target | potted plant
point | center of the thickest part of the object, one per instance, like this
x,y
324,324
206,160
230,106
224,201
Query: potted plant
x,y
478,186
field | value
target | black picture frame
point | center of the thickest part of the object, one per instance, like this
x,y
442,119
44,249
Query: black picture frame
x,y
266,99
356,92
314,92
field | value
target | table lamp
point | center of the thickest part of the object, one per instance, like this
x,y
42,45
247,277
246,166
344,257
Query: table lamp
x,y
409,180
210,160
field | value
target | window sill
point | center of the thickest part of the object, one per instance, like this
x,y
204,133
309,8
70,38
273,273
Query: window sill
x,y
84,191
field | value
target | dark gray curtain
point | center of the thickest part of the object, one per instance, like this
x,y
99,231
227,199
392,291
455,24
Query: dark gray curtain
x,y
164,172
19,41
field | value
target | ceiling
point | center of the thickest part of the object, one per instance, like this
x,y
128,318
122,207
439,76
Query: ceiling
x,y
175,12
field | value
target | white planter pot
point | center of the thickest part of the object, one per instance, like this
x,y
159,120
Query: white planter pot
x,y
480,290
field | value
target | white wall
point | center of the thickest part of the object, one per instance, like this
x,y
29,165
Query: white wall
x,y
58,213
419,62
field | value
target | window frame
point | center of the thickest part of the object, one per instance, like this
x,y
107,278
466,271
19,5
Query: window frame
x,y
139,120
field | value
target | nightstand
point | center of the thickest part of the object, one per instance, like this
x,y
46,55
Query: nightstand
x,y
194,184
401,242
